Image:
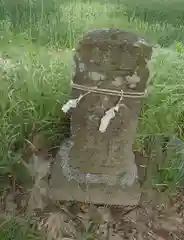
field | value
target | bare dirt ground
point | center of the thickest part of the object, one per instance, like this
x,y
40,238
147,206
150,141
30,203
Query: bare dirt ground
x,y
157,217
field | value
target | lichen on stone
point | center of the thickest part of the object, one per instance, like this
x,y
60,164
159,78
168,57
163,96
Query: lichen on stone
x,y
82,67
96,76
132,80
118,81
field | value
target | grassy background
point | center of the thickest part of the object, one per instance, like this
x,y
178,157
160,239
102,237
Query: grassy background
x,y
36,38
59,22
15,228
35,64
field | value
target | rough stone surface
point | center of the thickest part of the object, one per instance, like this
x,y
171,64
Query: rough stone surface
x,y
115,60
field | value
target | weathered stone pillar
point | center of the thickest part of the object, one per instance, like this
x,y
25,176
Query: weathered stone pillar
x,y
97,163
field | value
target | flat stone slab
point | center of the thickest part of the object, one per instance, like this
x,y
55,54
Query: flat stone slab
x,y
64,190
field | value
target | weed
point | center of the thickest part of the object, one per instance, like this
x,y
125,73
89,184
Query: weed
x,y
36,38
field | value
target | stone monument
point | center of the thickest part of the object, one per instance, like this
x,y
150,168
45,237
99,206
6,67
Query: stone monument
x,y
96,164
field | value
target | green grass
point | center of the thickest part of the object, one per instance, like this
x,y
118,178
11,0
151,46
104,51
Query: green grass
x,y
61,23
155,11
34,82
18,229
36,38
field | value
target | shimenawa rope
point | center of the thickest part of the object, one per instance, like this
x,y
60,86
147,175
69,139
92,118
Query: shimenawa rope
x,y
108,91
109,114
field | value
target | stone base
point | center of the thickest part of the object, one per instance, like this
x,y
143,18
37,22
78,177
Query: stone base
x,y
64,190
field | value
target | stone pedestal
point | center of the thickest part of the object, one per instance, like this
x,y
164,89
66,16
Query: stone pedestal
x,y
95,166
